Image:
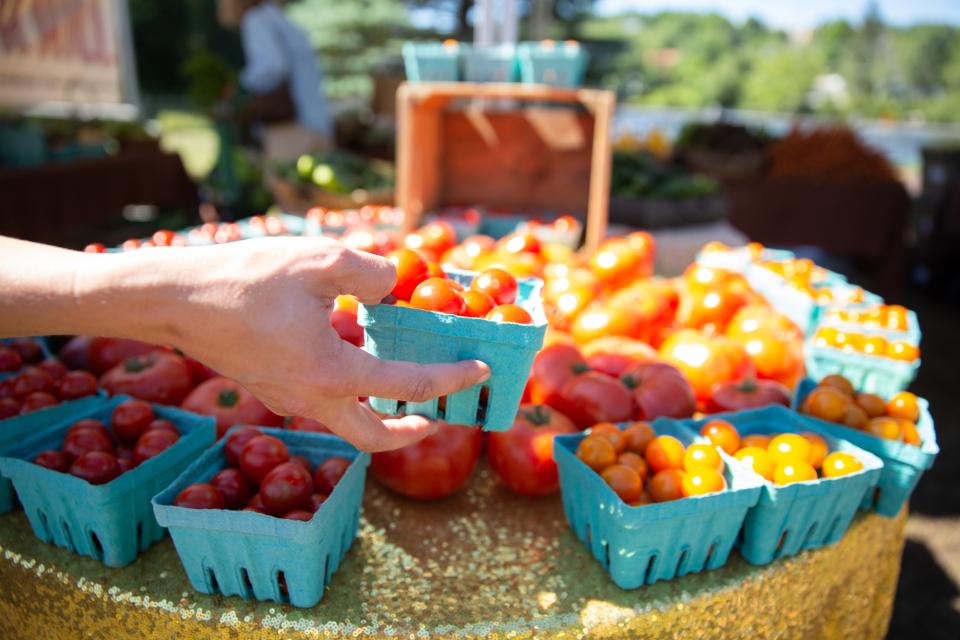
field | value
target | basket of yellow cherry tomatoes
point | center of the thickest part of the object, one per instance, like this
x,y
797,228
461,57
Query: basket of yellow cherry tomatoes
x,y
898,429
872,361
650,502
812,481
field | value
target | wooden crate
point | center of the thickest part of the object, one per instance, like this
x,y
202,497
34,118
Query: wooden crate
x,y
504,146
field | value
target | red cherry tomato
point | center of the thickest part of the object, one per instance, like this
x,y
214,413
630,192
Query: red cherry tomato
x,y
104,354
523,455
436,467
230,404
236,441
124,452
84,441
411,271
552,369
256,504
477,304
299,423
76,353
234,487
90,423
31,380
497,283
287,487
54,367
328,474
153,443
346,325
163,238
660,390
76,384
299,514
10,360
519,242
316,500
747,394
38,400
51,459
509,313
28,348
9,407
96,467
593,397
159,376
130,419
95,247
201,495
438,294
260,455
303,462
162,423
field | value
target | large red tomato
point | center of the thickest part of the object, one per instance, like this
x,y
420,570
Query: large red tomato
x,y
523,455
594,397
705,361
230,404
436,467
660,390
76,353
105,353
553,367
747,394
158,376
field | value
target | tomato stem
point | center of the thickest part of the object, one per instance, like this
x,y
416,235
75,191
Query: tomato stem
x,y
228,398
137,364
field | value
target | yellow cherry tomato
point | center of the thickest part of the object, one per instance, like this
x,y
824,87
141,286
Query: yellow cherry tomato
x,y
840,463
759,460
700,481
786,446
793,470
702,455
818,448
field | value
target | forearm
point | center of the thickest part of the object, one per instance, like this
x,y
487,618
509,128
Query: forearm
x,y
47,290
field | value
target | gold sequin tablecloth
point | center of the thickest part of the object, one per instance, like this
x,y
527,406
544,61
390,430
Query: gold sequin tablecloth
x,y
481,564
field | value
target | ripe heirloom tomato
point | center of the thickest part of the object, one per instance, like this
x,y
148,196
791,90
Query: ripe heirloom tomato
x,y
616,263
438,294
104,354
328,474
553,367
600,321
592,397
747,394
230,404
509,313
435,467
96,467
28,348
411,271
200,495
159,376
711,304
76,384
660,390
706,361
54,367
522,457
496,283
563,311
130,419
260,455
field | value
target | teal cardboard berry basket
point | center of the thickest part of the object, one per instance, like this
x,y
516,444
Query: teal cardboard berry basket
x,y
111,522
870,374
558,64
490,63
415,335
788,519
431,61
660,541
253,555
903,463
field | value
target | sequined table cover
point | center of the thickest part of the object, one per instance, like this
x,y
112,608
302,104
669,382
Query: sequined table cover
x,y
481,564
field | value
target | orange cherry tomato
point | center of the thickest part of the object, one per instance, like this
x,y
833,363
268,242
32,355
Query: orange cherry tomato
x,y
434,270
758,459
496,283
702,455
638,435
642,500
509,313
412,269
624,481
610,431
885,427
722,434
827,403
615,262
520,242
840,463
904,405
478,304
664,452
838,382
793,470
596,452
902,350
567,306
790,446
872,404
856,417
666,485
818,448
755,440
634,461
702,480
910,433
438,294
874,345
825,337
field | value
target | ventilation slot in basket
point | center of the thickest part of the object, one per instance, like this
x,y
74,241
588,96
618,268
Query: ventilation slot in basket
x,y
212,581
482,404
810,533
441,407
327,570
141,543
282,592
606,554
651,568
96,546
706,561
833,528
682,563
782,542
245,583
44,525
401,407
68,535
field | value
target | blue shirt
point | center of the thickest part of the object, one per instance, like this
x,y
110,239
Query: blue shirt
x,y
276,51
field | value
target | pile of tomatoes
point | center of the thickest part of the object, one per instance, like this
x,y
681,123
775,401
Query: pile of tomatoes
x,y
98,454
783,458
866,344
883,316
642,467
262,476
36,383
836,400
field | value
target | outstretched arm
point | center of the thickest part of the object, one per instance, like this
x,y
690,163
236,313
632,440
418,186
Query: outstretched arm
x,y
257,311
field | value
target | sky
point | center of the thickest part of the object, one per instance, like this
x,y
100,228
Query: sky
x,y
798,14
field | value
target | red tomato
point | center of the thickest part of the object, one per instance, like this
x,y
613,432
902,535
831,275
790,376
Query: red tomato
x,y
236,441
299,423
347,327
496,283
316,500
747,394
230,404
436,467
104,354
287,487
438,294
329,473
433,239
90,423
9,407
76,384
711,297
96,467
303,462
53,367
84,441
28,348
160,377
31,380
660,390
594,397
599,321
153,443
616,263
95,247
200,496
299,514
10,360
478,304
51,459
411,271
76,353
612,364
509,313
705,361
519,242
523,456
130,419
552,368
38,400
160,423
199,372
260,455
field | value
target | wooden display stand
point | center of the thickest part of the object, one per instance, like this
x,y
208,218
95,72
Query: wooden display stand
x,y
462,143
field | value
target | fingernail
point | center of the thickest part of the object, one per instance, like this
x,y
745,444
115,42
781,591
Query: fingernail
x,y
486,372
